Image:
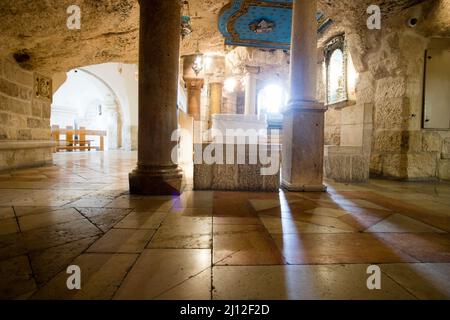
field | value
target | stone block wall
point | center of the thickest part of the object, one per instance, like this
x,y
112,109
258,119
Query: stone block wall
x,y
25,135
401,148
229,102
333,127
390,65
346,164
238,175
348,134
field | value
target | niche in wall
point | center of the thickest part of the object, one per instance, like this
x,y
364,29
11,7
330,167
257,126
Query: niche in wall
x,y
336,70
339,73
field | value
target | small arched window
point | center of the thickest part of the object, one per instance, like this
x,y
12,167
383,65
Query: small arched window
x,y
336,71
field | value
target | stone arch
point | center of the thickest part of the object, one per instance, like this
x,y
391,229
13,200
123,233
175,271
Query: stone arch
x,y
108,104
114,113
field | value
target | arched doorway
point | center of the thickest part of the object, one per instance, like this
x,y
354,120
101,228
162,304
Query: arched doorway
x,y
85,100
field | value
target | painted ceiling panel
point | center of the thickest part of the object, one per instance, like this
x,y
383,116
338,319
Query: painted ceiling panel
x,y
260,23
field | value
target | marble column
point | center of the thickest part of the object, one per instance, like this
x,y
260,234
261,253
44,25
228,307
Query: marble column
x,y
303,131
216,90
159,46
194,92
250,90
194,83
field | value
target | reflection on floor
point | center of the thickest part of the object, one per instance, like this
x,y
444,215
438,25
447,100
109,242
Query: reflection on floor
x,y
219,245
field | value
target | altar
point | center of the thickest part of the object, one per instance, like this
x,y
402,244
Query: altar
x,y
240,156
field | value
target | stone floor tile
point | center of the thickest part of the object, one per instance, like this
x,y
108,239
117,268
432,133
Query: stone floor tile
x,y
348,202
426,281
425,247
142,220
12,245
196,288
24,211
401,224
154,205
192,212
122,241
51,236
328,282
179,219
261,204
362,219
233,208
42,198
195,199
48,263
183,235
104,218
244,245
8,226
6,212
90,202
338,248
327,212
160,273
287,226
101,276
237,220
16,277
319,220
35,221
124,202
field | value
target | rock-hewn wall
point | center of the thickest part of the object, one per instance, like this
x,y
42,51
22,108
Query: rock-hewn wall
x,y
389,101
25,137
400,147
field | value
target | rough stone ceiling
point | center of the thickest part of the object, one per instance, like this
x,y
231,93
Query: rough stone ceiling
x,y
109,30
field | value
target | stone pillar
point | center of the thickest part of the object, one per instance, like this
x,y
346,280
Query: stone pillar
x,y
215,75
159,46
303,131
194,92
250,90
216,90
194,84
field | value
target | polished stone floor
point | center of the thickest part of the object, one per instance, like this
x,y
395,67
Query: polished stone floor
x,y
216,245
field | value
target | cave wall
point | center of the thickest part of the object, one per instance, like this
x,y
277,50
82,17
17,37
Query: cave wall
x,y
389,105
401,148
25,136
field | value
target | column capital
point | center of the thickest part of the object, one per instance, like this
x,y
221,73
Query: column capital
x,y
196,84
252,70
301,105
216,79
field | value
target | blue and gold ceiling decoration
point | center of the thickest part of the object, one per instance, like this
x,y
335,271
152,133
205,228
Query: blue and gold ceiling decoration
x,y
261,23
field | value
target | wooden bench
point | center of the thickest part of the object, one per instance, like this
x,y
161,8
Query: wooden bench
x,y
80,144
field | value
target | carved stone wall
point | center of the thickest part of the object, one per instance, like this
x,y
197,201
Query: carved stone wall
x,y
25,136
389,96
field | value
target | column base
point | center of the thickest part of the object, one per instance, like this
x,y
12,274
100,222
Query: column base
x,y
156,182
303,188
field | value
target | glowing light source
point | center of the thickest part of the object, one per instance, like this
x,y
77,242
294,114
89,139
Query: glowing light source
x,y
197,66
208,61
352,77
272,99
230,84
336,77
